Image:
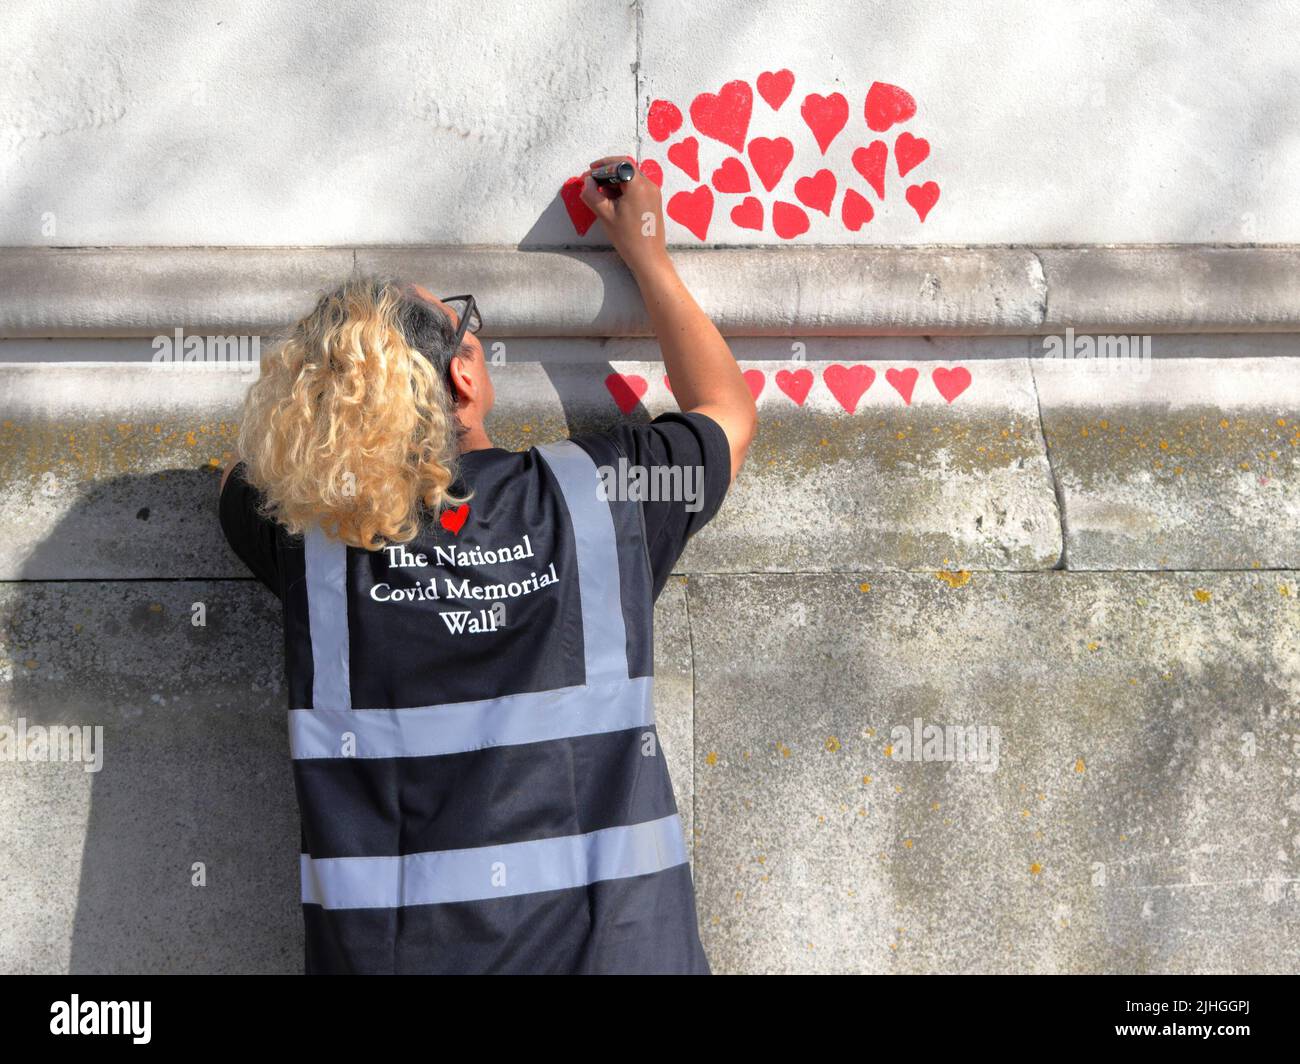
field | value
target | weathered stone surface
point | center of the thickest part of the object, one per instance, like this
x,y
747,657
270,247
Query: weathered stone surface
x,y
1195,466
98,866
928,485
1141,816
130,453
112,471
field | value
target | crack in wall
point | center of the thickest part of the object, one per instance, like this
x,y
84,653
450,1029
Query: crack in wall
x,y
690,644
638,81
1038,282
1058,492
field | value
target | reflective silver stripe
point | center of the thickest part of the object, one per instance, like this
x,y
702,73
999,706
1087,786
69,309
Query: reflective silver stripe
x,y
604,634
460,726
327,611
493,871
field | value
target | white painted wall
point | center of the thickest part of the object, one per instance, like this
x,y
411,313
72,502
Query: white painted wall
x,y
212,122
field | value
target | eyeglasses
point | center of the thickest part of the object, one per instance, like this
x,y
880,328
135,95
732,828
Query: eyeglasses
x,y
467,311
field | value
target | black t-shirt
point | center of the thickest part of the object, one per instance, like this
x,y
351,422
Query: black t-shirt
x,y
681,440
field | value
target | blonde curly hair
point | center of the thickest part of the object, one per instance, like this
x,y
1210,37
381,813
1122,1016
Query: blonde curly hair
x,y
351,423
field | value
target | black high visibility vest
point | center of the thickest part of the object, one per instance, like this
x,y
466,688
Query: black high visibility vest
x,y
479,775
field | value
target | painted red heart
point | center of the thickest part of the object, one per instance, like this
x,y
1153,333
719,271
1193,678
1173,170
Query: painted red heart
x,y
626,389
693,210
685,155
903,380
910,152
870,163
770,157
667,383
725,115
663,120
816,192
653,171
748,214
855,211
796,384
886,105
922,198
825,116
454,520
951,382
788,220
731,176
775,86
579,213
848,383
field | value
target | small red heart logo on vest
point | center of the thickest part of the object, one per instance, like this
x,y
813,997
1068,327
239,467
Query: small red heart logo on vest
x,y
454,520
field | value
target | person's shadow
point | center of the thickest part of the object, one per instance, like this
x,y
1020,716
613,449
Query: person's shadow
x,y
182,843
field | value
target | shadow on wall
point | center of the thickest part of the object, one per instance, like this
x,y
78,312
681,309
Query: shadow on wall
x,y
195,773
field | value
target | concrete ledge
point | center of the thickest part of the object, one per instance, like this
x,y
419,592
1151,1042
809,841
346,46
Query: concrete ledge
x,y
1138,820
813,291
1172,289
92,457
856,291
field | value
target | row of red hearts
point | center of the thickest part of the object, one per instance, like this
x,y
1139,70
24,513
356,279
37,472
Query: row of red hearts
x,y
848,384
771,156
724,116
694,210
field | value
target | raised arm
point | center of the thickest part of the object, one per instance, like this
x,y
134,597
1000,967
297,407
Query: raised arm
x,y
700,365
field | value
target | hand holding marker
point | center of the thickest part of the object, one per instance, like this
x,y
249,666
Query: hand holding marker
x,y
613,174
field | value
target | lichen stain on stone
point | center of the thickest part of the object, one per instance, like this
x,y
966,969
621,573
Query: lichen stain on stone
x,y
896,443
104,447
1202,439
953,579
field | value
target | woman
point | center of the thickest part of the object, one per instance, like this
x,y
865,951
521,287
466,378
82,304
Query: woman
x,y
468,631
